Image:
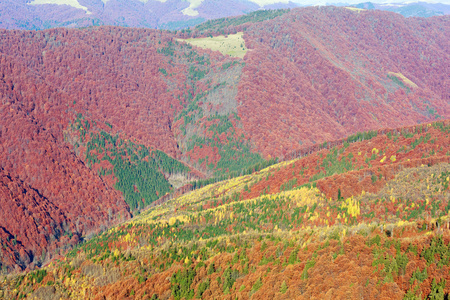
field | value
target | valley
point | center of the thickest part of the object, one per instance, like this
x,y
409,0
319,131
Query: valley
x,y
290,153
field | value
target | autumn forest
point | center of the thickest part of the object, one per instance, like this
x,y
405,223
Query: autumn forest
x,y
290,154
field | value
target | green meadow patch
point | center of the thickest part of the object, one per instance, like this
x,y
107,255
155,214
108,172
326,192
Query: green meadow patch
x,y
232,45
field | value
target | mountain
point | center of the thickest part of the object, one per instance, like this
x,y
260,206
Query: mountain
x,y
171,14
99,124
167,14
410,9
362,216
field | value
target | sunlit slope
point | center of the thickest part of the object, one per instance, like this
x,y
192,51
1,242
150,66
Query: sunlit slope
x,y
368,215
232,45
344,184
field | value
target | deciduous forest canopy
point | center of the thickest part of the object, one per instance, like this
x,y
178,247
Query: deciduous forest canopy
x,y
293,153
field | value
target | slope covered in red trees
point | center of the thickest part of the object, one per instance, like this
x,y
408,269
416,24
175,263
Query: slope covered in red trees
x,y
311,75
110,75
21,204
319,74
348,169
49,197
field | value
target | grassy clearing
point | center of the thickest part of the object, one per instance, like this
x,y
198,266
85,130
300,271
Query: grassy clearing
x,y
232,45
404,79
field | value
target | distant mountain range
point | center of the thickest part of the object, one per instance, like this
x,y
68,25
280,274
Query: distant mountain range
x,y
162,14
410,9
165,14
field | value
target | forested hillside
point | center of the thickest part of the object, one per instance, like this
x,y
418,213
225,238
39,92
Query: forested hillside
x,y
98,124
323,73
332,72
173,14
367,216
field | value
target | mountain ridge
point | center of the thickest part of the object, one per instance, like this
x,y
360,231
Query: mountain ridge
x,y
173,14
99,123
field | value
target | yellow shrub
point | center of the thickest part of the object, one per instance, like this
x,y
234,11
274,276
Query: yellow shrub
x,y
352,205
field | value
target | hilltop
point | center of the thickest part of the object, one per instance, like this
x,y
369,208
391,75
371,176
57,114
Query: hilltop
x,y
162,14
367,215
99,124
174,14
